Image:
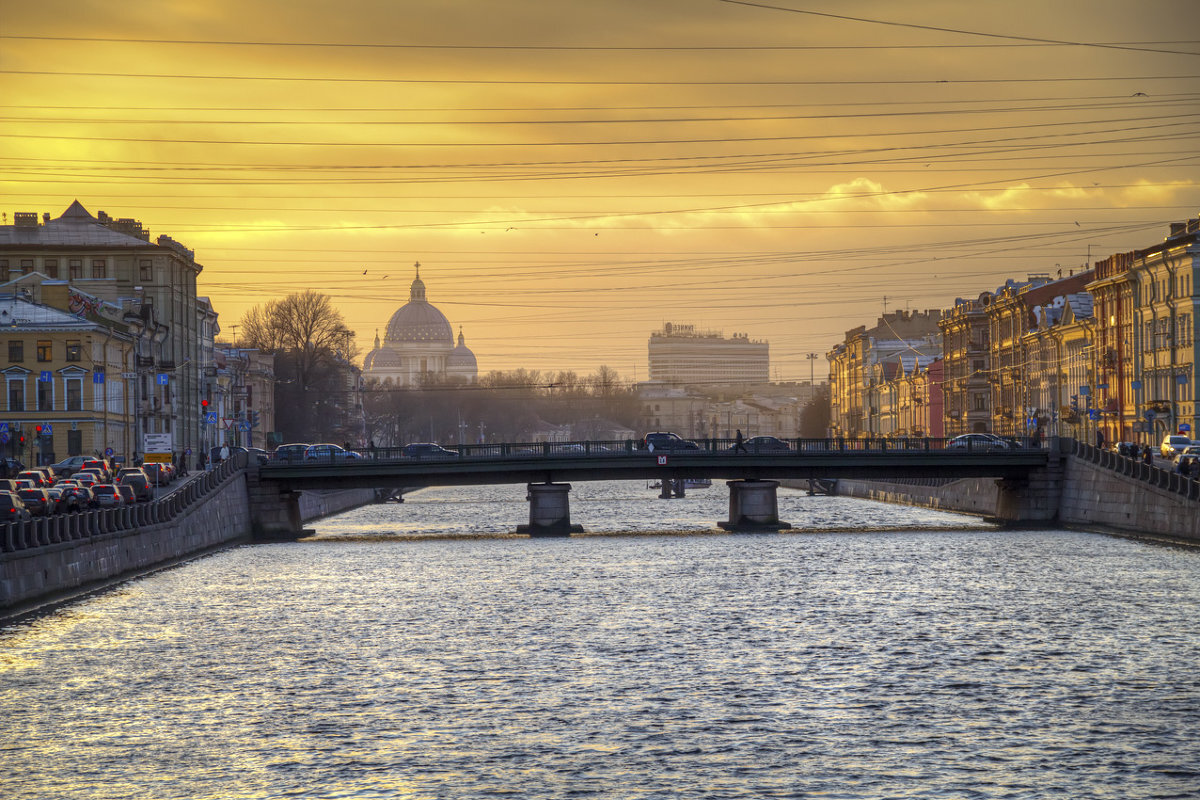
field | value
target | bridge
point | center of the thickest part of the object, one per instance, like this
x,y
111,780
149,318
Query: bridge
x,y
753,475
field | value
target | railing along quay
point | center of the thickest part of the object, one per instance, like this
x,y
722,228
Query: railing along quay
x,y
52,529
1137,469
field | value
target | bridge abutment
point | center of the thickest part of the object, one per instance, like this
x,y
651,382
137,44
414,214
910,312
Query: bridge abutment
x,y
1035,498
753,506
549,510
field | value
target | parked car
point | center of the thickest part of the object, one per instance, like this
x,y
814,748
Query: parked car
x,y
38,501
662,440
108,495
426,450
329,452
289,453
67,466
12,508
1172,444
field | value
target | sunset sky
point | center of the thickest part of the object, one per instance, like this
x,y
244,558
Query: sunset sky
x,y
573,174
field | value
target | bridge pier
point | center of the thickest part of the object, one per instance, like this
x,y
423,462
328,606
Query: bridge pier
x,y
671,487
753,506
549,510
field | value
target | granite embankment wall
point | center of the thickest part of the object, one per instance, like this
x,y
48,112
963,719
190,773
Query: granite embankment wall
x,y
55,558
1100,490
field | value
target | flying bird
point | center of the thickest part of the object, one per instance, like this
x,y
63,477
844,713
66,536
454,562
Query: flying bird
x,y
1077,225
364,272
1139,94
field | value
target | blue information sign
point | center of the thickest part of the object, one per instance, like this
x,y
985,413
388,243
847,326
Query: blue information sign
x,y
97,377
163,379
108,451
4,437
45,376
210,418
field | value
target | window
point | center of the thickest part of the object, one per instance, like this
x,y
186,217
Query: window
x,y
980,402
16,350
45,350
16,395
27,265
74,394
74,443
4,270
74,350
99,268
76,267
45,396
146,270
50,267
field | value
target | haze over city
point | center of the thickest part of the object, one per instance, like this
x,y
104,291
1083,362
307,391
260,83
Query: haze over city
x,y
572,175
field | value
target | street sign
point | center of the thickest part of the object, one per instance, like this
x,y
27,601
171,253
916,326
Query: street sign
x,y
1183,426
1093,413
108,452
156,443
244,425
227,422
97,377
163,379
210,418
662,461
3,427
128,375
4,437
45,376
47,429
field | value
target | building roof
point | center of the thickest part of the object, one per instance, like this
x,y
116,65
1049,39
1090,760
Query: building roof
x,y
74,228
418,321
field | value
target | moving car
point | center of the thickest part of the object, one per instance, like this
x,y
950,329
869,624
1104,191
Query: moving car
x,y
38,501
108,496
426,450
137,480
664,440
289,453
977,441
12,508
1172,444
766,444
329,452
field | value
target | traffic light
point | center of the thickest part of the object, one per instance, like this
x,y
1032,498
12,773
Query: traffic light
x,y
38,428
253,419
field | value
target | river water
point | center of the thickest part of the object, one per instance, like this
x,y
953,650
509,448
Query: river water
x,y
416,650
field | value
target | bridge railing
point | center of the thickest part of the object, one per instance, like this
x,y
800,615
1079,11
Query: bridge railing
x,y
1136,468
769,446
44,531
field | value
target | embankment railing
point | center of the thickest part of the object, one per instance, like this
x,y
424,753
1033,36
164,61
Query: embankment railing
x,y
87,525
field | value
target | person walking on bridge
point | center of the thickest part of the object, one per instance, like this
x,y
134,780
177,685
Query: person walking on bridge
x,y
738,446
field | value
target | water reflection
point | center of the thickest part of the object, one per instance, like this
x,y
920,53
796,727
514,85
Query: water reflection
x,y
930,663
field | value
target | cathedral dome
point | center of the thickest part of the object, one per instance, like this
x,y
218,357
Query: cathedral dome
x,y
418,321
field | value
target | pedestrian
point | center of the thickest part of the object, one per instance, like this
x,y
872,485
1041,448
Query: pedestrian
x,y
1037,436
1099,439
224,452
738,446
1147,456
1195,469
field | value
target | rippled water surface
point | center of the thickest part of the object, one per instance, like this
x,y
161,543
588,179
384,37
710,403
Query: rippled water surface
x,y
949,661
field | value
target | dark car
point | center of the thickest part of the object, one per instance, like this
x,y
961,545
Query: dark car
x,y
660,440
765,444
977,441
10,467
137,481
329,452
78,498
38,501
12,508
426,450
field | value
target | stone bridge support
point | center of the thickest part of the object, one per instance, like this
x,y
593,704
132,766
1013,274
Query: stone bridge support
x,y
549,510
753,506
1035,499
